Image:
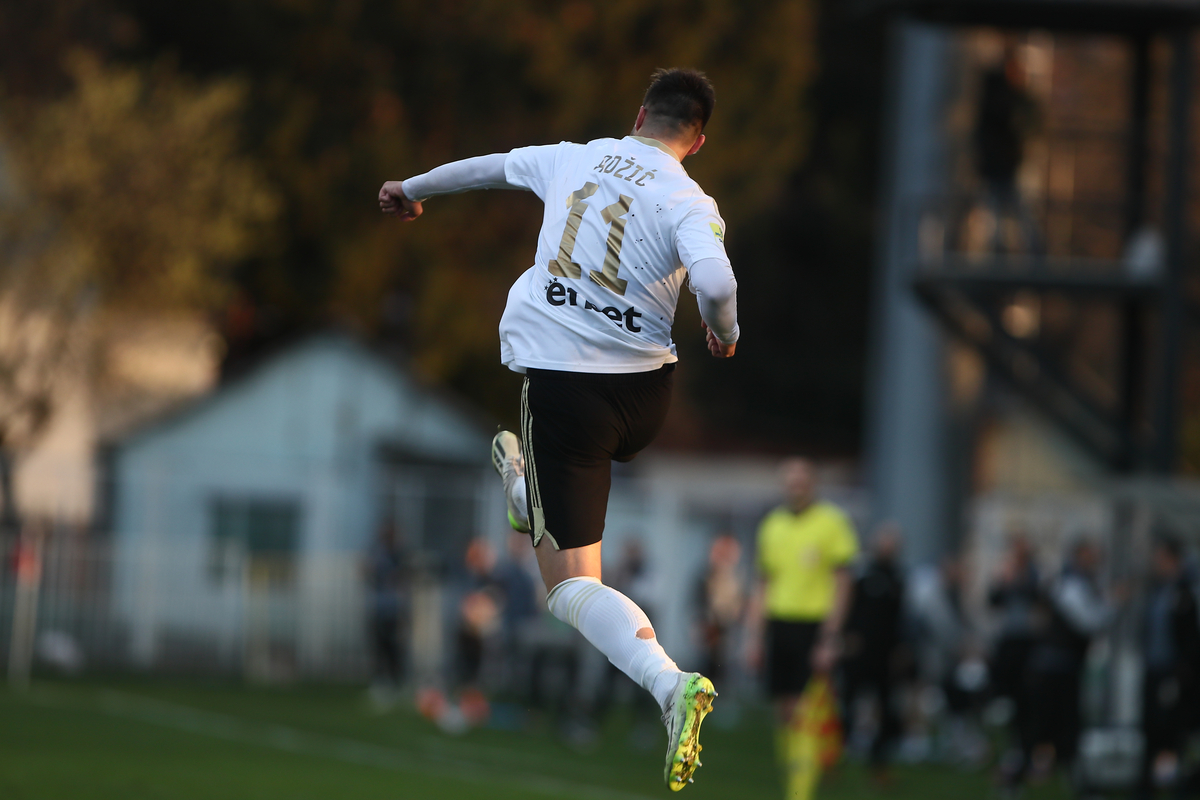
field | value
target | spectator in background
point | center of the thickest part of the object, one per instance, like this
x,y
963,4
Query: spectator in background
x,y
479,611
1014,595
1170,690
1075,611
519,589
874,642
805,548
1007,115
722,602
384,575
948,660
632,577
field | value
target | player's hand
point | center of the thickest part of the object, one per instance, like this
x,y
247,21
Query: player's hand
x,y
715,346
753,654
392,201
825,656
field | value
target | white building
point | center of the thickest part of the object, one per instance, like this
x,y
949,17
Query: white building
x,y
239,523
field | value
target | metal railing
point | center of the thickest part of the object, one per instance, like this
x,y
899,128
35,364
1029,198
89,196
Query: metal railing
x,y
73,601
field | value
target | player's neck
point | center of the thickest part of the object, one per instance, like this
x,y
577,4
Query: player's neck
x,y
660,144
671,146
798,507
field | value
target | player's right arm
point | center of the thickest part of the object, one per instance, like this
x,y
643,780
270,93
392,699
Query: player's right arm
x,y
393,200
526,168
404,198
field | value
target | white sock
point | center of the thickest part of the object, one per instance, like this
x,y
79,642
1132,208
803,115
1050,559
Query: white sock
x,y
516,493
610,621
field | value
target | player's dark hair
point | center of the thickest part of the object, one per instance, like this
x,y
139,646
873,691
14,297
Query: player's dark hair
x,y
680,98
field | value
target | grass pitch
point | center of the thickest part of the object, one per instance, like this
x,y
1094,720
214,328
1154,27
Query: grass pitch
x,y
177,740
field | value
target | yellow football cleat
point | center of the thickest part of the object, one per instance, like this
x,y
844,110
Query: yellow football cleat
x,y
686,709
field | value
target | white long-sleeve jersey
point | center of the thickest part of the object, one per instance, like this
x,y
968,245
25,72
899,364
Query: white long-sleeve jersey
x,y
623,226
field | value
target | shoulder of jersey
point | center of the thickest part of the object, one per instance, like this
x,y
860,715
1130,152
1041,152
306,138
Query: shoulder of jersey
x,y
779,512
604,141
831,510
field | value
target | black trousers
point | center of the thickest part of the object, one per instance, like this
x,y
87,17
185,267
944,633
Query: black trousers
x,y
872,671
1056,713
789,647
1011,679
573,426
385,647
1165,707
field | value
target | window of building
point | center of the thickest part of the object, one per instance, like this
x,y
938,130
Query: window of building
x,y
261,531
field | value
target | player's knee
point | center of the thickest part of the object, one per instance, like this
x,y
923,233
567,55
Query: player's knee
x,y
645,633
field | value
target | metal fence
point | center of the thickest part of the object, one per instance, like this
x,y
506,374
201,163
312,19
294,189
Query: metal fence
x,y
73,601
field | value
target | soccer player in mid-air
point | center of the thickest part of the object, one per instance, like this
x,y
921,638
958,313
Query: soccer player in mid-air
x,y
589,324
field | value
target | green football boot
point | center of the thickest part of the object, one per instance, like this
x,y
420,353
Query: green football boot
x,y
510,464
689,704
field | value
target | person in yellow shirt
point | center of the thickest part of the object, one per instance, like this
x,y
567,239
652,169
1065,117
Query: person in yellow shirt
x,y
805,549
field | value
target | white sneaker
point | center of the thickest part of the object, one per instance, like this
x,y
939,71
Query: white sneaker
x,y
510,464
689,704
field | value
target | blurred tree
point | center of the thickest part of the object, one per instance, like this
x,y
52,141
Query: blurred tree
x,y
804,268
125,193
349,94
343,94
131,184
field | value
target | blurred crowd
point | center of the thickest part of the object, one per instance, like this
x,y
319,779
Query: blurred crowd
x,y
923,672
1007,686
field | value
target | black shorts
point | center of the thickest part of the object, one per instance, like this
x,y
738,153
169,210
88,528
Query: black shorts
x,y
789,647
573,426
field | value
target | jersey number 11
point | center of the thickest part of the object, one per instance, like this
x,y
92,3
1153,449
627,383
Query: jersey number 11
x,y
614,215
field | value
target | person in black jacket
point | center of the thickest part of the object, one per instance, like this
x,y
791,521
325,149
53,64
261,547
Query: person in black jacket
x,y
1014,595
1074,611
1171,648
386,583
1006,117
874,641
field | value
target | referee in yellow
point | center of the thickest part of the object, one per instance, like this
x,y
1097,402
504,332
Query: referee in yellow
x,y
805,550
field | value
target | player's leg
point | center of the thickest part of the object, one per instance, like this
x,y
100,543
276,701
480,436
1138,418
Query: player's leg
x,y
571,431
509,463
617,627
789,667
612,622
569,439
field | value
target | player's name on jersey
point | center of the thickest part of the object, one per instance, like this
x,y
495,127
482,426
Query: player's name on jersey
x,y
611,165
559,295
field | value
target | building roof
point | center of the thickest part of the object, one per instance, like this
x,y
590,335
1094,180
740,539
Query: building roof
x,y
466,416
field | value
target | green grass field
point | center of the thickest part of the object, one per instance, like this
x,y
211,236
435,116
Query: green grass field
x,y
178,740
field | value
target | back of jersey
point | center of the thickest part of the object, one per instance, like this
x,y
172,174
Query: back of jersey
x,y
622,224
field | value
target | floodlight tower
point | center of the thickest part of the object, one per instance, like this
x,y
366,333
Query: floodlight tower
x,y
926,283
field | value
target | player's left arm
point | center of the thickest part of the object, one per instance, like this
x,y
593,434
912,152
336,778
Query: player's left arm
x,y
404,198
756,611
843,591
829,644
700,243
842,550
715,287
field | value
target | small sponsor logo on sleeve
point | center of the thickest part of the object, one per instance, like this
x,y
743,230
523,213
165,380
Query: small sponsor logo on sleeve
x,y
718,234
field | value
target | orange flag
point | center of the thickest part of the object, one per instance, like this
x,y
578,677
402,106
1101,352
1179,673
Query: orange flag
x,y
814,738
